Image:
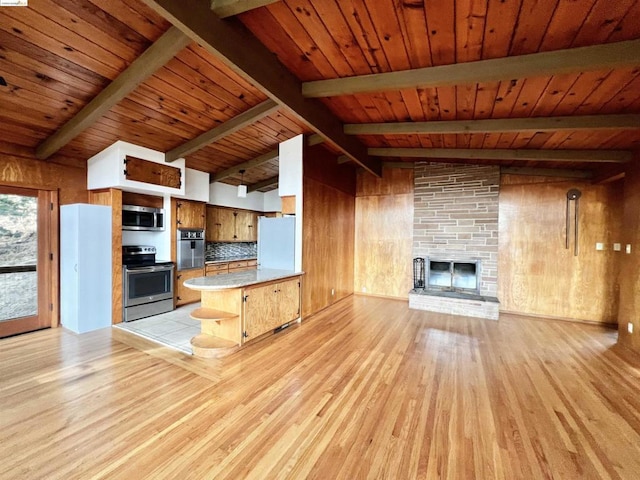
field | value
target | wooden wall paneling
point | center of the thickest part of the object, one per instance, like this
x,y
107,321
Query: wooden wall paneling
x,y
328,232
28,172
384,233
113,197
54,248
629,310
538,276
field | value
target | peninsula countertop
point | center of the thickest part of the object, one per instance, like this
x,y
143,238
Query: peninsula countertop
x,y
239,279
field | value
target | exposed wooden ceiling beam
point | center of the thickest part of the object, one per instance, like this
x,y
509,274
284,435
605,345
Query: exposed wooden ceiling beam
x,y
582,59
248,165
239,49
314,139
229,127
269,182
153,58
608,173
546,172
594,156
541,124
228,8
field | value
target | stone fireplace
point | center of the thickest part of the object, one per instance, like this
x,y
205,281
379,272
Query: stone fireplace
x,y
456,232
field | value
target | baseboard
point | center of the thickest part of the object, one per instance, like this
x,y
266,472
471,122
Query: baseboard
x,y
561,319
387,297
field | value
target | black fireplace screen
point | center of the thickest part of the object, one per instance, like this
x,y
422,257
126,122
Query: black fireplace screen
x,y
453,275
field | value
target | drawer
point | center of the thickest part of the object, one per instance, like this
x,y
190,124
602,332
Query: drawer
x,y
236,265
241,269
252,263
216,269
217,266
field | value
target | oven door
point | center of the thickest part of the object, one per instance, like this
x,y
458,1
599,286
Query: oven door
x,y
147,284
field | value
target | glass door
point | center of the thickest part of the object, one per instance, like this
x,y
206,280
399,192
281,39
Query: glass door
x,y
25,259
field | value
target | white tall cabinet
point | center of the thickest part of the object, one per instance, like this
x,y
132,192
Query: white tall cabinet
x,y
85,267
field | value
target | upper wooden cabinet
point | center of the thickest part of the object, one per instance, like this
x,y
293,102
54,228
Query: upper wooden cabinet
x,y
246,226
190,214
230,225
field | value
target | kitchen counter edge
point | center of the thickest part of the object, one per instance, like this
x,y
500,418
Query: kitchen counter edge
x,y
239,279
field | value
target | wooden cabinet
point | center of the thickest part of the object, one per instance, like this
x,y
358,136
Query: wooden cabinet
x,y
216,269
269,306
229,225
184,295
246,226
220,225
190,214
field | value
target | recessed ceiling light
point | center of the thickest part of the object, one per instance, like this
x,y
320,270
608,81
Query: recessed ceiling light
x,y
3,82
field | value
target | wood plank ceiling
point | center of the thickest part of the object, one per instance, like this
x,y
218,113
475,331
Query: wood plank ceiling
x,y
56,56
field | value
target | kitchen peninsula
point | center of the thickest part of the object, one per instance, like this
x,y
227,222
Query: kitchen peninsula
x,y
241,307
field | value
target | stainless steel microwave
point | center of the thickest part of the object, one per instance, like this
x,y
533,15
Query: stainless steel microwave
x,y
142,218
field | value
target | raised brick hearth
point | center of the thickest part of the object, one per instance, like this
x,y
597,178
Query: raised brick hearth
x,y
456,218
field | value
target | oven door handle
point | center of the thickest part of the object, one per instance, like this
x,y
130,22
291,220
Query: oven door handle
x,y
149,269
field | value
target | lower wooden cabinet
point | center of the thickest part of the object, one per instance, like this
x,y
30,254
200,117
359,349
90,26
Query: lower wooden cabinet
x,y
216,269
267,307
183,294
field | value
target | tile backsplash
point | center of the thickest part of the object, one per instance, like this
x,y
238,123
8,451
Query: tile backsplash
x,y
215,250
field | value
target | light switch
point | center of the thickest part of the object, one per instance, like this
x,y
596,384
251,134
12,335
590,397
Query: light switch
x,y
599,246
617,247
628,249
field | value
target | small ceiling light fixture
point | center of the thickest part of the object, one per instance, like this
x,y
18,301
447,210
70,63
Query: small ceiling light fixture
x,y
242,189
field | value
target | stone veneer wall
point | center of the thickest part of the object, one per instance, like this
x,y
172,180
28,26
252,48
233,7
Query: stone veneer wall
x,y
456,216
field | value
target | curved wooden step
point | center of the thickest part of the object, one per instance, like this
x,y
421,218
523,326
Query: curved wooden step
x,y
208,346
204,313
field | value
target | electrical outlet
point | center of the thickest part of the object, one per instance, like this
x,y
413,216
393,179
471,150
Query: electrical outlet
x,y
333,292
364,289
630,327
599,246
628,248
617,247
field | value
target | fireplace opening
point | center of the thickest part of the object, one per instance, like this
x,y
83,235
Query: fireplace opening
x,y
448,275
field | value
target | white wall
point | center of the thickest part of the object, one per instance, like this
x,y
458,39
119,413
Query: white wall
x,y
290,183
272,202
227,196
196,186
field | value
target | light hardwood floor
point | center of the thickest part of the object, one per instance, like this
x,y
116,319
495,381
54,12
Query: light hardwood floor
x,y
366,389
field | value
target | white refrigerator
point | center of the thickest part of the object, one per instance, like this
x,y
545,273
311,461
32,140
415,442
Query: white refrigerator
x,y
85,267
276,242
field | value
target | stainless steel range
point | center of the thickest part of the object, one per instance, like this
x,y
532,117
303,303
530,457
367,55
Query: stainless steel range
x,y
147,283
